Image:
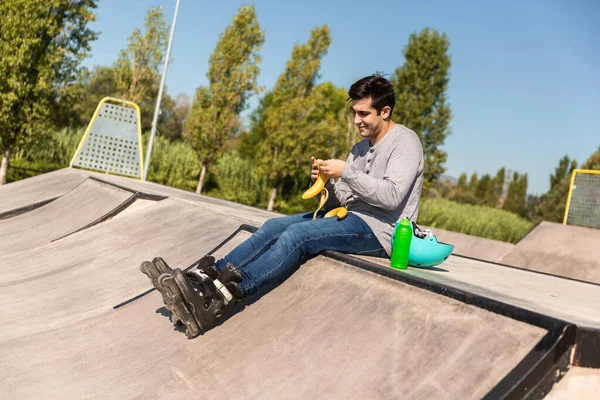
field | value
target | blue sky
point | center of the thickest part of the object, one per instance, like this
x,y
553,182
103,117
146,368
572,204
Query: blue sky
x,y
524,87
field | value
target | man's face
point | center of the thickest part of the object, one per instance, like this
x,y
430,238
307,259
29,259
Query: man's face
x,y
366,119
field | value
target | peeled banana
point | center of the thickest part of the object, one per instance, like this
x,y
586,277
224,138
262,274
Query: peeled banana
x,y
339,212
317,187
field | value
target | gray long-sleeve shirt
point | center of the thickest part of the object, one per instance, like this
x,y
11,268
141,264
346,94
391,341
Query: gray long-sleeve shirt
x,y
382,183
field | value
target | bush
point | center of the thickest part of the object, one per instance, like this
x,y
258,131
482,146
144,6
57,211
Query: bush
x,y
173,164
474,220
48,154
237,180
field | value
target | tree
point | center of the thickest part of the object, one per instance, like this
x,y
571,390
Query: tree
x,y
494,192
281,149
516,199
174,113
593,162
232,77
482,187
250,140
551,206
421,104
319,128
462,192
137,68
79,100
473,182
462,182
41,47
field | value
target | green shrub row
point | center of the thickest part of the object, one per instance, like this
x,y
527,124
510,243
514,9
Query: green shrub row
x,y
474,220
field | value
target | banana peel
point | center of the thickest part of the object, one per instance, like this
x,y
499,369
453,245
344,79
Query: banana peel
x,y
339,212
322,201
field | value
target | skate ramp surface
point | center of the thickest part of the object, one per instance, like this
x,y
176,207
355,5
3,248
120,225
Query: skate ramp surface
x,y
79,319
91,271
564,250
17,197
330,331
78,208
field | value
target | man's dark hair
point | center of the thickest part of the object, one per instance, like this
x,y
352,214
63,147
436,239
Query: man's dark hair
x,y
379,89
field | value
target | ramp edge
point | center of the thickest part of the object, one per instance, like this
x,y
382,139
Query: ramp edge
x,y
22,210
118,209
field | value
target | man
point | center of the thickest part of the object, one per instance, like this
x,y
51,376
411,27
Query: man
x,y
379,182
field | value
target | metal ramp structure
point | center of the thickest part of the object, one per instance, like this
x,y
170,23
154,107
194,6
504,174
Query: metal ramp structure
x,y
583,201
112,142
80,320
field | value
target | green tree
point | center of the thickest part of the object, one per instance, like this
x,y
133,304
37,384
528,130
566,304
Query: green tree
x,y
422,104
552,204
80,99
593,162
494,189
232,76
482,186
281,149
41,47
137,68
249,140
174,113
462,182
319,127
516,199
461,193
473,182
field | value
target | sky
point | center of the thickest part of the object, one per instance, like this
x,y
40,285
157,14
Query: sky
x,y
524,88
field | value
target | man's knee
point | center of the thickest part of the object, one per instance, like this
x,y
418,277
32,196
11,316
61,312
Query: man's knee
x,y
272,225
296,235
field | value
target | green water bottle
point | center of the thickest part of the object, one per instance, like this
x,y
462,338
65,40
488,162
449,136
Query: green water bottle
x,y
401,244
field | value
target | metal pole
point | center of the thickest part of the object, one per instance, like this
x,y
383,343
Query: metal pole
x,y
160,90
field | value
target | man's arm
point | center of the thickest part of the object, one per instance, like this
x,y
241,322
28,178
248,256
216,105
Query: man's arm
x,y
403,165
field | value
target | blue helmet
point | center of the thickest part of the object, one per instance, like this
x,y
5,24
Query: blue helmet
x,y
426,251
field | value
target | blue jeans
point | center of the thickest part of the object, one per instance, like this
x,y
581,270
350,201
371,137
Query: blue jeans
x,y
281,244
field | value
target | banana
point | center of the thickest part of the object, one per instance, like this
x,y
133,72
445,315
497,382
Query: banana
x,y
317,187
339,212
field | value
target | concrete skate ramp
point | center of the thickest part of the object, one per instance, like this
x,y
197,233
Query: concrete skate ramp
x,y
564,250
83,205
89,272
75,326
25,194
329,331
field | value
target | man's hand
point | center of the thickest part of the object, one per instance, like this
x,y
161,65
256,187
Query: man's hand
x,y
332,168
314,172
